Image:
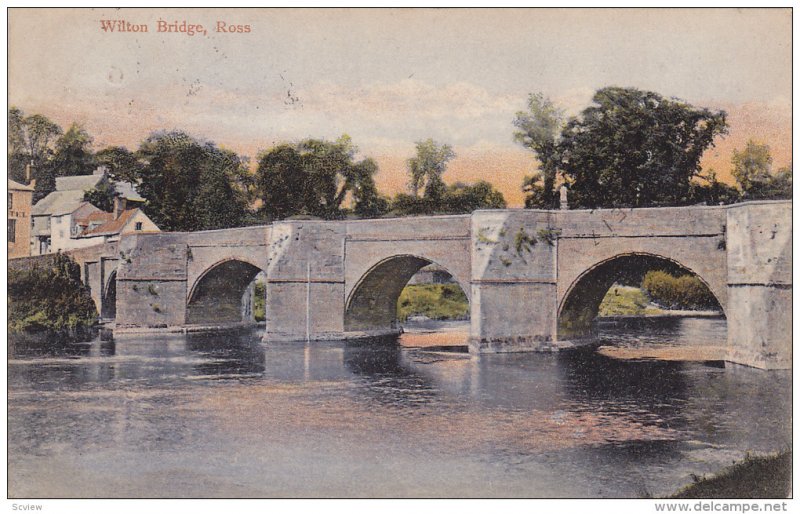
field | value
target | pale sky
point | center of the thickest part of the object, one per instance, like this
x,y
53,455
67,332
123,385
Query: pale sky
x,y
391,77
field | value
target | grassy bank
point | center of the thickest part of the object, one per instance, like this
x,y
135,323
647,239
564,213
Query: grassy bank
x,y
768,476
627,301
435,301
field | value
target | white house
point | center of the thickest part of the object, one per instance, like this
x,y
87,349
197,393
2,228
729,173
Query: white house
x,y
62,219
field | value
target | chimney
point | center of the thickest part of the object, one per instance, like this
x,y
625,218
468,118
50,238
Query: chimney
x,y
119,205
28,172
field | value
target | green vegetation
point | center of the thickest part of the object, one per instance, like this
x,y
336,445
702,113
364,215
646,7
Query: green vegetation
x,y
768,476
425,172
626,301
752,169
678,292
49,296
259,304
436,301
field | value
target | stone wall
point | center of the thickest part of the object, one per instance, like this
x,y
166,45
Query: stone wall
x,y
759,264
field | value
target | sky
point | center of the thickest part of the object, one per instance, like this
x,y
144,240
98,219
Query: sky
x,y
391,77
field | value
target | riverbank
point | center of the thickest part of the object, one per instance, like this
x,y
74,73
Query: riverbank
x,y
765,476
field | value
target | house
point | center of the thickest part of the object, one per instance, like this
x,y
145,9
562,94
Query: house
x,y
127,221
20,198
62,218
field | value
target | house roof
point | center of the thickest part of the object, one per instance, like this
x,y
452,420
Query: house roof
x,y
127,191
78,182
58,203
16,186
114,226
85,211
101,216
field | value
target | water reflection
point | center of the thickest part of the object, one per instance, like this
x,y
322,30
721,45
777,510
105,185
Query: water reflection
x,y
119,417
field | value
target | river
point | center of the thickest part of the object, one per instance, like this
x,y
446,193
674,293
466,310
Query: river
x,y
226,415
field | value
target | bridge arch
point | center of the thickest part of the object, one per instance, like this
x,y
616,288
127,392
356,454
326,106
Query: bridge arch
x,y
108,304
372,304
580,304
220,293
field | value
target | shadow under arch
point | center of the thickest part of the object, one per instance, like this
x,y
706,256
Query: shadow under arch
x,y
220,293
372,305
108,305
581,303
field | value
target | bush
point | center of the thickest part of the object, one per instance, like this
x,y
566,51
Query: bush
x,y
49,296
435,301
259,307
678,292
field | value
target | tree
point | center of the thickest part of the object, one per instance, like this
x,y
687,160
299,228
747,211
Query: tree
x,y
427,167
314,178
464,198
752,169
121,163
458,198
368,202
753,164
535,195
72,156
538,129
281,182
712,192
102,196
188,184
29,142
635,148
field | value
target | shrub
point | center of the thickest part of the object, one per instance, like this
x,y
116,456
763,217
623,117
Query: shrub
x,y
436,301
678,292
49,296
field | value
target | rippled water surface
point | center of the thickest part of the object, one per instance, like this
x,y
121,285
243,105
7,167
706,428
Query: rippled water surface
x,y
228,415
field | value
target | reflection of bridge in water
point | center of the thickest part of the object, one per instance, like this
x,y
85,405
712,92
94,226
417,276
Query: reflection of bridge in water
x,y
534,278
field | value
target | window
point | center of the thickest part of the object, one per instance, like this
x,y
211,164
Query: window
x,y
138,225
12,230
10,201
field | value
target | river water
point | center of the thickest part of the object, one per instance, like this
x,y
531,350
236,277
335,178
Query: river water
x,y
229,416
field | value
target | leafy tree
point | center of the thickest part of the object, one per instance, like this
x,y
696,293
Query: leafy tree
x,y
72,156
635,148
281,182
427,167
29,142
536,196
102,196
464,198
753,164
314,178
538,129
752,169
458,198
188,184
218,202
121,163
39,132
712,192
368,202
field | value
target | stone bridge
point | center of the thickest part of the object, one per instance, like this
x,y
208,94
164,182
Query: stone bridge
x,y
533,278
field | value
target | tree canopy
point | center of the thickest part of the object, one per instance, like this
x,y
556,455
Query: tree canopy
x,y
425,169
752,169
537,130
314,177
631,148
188,184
